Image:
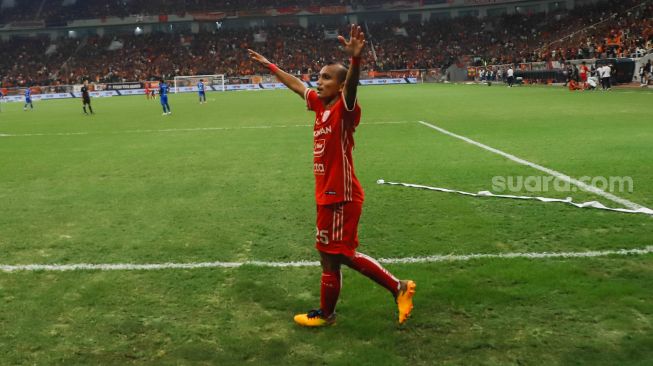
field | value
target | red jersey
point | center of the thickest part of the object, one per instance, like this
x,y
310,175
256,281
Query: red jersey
x,y
333,142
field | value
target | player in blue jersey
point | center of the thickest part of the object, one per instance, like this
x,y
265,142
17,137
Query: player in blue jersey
x,y
200,90
163,97
28,99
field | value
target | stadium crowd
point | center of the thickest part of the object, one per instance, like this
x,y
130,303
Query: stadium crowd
x,y
608,30
61,11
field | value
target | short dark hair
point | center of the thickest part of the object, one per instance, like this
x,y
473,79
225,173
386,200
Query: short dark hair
x,y
341,73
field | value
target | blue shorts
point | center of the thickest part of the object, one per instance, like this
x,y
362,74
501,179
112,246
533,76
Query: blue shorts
x,y
164,99
28,100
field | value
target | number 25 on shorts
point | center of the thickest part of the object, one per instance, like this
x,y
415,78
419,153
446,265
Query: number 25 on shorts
x,y
322,236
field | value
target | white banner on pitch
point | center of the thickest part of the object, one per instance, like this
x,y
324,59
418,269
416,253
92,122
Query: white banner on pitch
x,y
568,200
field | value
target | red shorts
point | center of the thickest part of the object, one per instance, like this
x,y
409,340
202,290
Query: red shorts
x,y
337,228
583,77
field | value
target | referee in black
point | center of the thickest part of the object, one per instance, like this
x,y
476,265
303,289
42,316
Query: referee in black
x,y
86,98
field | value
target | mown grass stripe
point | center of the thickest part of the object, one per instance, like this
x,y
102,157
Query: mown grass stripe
x,y
180,130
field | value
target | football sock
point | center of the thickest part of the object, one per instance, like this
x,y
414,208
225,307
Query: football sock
x,y
329,292
369,267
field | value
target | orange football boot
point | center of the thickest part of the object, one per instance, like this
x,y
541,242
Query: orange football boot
x,y
314,318
405,300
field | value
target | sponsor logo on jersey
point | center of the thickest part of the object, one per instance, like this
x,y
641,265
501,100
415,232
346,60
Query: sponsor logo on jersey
x,y
318,168
318,147
322,131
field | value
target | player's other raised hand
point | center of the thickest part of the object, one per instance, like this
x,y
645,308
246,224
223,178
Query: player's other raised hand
x,y
288,80
354,46
257,57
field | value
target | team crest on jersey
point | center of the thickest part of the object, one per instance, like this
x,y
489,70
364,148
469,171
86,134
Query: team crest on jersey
x,y
325,115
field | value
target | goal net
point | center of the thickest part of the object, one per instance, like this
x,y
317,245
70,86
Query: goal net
x,y
189,83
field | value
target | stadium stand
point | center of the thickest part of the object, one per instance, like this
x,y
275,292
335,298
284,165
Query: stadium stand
x,y
61,11
607,29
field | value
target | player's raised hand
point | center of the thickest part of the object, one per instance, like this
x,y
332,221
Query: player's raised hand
x,y
255,56
354,46
288,80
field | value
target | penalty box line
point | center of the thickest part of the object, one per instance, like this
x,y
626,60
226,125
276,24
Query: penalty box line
x,y
408,260
556,174
182,130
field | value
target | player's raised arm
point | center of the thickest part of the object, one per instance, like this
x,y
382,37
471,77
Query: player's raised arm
x,y
288,80
353,47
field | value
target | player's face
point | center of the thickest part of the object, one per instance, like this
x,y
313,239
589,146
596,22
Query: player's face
x,y
328,85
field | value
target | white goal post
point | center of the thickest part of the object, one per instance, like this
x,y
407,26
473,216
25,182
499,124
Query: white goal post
x,y
215,81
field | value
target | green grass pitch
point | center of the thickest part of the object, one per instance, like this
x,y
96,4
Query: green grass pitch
x,y
231,180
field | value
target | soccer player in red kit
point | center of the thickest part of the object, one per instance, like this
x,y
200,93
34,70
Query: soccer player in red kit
x,y
584,70
338,193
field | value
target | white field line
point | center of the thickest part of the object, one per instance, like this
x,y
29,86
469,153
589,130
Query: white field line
x,y
408,260
182,130
560,176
